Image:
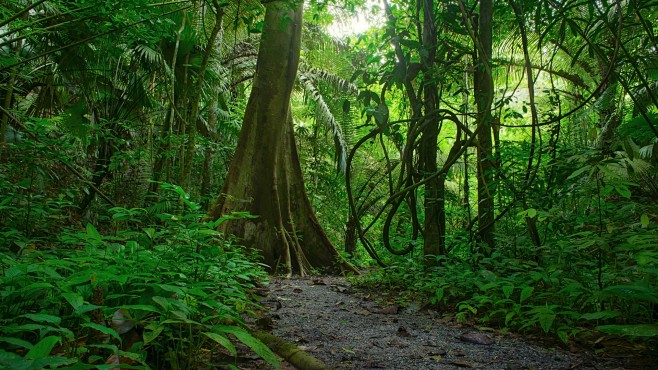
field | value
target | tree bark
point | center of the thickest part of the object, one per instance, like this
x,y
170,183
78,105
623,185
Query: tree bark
x,y
484,97
434,202
265,177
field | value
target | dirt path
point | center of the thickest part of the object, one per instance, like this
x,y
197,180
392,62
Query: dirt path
x,y
346,329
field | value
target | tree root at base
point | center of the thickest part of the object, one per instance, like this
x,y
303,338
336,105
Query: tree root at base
x,y
290,352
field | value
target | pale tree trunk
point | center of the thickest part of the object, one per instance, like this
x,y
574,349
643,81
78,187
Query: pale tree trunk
x,y
195,100
265,176
484,98
434,203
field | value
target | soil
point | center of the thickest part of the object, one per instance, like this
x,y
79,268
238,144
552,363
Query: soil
x,y
349,328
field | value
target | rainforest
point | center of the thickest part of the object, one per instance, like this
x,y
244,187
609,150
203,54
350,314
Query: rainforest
x,y
216,183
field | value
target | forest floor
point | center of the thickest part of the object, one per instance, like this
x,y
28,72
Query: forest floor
x,y
349,328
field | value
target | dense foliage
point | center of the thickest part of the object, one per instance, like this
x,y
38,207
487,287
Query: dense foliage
x,y
506,177
169,284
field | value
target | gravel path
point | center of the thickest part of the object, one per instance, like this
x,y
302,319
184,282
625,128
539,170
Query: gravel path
x,y
346,329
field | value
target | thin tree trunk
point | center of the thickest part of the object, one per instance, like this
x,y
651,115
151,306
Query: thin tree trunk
x,y
434,203
484,97
163,163
9,92
195,100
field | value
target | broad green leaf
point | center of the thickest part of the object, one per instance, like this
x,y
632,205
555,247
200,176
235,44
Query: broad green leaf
x,y
637,292
223,341
509,316
40,317
132,245
53,362
24,327
44,347
256,345
439,295
15,271
577,172
8,357
142,307
641,330
162,301
644,220
546,321
102,329
532,213
120,216
35,286
150,232
150,335
17,342
86,308
181,321
623,190
525,293
139,357
564,336
92,233
507,290
601,315
488,286
178,314
172,288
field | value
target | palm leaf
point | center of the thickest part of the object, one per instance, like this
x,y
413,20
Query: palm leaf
x,y
327,119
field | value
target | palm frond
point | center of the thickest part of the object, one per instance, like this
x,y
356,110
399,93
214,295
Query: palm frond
x,y
150,58
648,150
338,83
324,115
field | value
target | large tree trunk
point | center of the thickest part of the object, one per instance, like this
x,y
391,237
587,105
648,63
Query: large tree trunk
x,y
265,177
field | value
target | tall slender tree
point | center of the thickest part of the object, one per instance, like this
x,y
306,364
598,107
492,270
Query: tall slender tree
x,y
484,98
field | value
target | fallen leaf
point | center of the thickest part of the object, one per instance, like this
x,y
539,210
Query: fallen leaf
x,y
476,338
395,342
459,363
456,353
362,312
403,332
388,310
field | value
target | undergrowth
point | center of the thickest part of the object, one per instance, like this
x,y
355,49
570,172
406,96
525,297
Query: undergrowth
x,y
155,290
565,295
